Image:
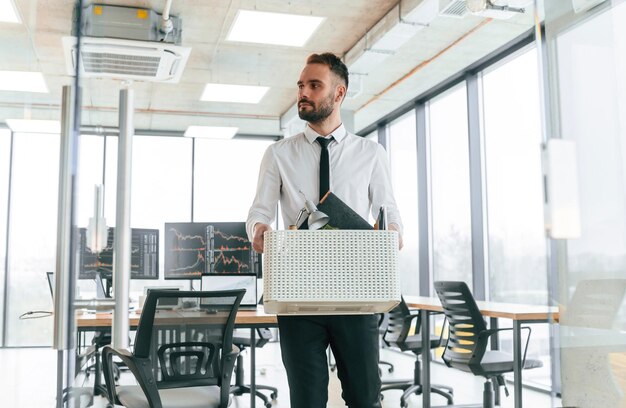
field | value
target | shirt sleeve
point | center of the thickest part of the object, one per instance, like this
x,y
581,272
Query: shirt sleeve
x,y
381,190
265,202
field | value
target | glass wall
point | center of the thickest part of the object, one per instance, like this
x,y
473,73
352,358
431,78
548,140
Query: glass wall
x,y
450,188
403,159
514,189
5,162
32,238
587,51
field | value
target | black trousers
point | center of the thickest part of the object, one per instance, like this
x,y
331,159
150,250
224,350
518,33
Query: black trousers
x,y
354,342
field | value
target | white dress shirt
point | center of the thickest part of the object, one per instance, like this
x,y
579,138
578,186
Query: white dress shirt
x,y
359,176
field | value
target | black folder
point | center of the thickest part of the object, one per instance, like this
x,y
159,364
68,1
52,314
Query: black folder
x,y
341,215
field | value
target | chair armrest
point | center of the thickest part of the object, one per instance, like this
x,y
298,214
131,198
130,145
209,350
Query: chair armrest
x,y
411,317
490,332
141,369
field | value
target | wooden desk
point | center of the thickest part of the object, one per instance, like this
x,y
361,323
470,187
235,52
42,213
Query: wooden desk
x,y
251,319
245,318
517,313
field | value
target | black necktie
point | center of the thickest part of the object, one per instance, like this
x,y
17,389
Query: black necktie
x,y
324,166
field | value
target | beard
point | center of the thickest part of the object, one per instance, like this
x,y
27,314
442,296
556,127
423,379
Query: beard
x,y
317,114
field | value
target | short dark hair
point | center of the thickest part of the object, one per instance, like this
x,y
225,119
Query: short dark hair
x,y
333,62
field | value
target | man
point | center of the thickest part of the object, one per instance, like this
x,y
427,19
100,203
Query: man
x,y
357,171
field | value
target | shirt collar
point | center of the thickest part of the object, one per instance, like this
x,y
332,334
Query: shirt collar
x,y
339,134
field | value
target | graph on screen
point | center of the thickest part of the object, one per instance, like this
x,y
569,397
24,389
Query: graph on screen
x,y
218,248
144,258
185,250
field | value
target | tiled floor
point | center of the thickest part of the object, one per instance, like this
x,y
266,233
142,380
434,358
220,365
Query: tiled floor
x,y
28,380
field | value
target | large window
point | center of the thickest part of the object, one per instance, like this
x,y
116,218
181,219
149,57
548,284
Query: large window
x,y
450,189
32,238
160,186
226,173
90,169
403,156
512,137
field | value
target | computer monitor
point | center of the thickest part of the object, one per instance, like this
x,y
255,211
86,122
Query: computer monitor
x,y
208,248
228,282
163,303
144,258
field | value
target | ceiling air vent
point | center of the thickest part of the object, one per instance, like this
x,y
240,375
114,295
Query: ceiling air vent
x,y
126,59
455,8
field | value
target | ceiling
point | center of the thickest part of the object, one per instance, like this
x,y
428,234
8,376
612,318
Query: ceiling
x,y
435,53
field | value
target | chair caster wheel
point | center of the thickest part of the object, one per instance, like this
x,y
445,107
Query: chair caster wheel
x,y
273,395
268,405
390,370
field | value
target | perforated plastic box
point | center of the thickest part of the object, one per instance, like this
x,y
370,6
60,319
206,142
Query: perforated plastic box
x,y
330,272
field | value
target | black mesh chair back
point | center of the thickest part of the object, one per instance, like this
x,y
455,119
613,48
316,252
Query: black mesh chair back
x,y
398,326
464,350
184,340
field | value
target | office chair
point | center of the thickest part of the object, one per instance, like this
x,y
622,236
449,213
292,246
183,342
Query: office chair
x,y
466,348
397,335
242,339
183,358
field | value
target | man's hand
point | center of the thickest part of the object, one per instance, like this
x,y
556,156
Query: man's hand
x,y
396,227
257,240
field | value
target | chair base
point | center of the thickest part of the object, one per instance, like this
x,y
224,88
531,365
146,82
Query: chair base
x,y
489,400
410,389
239,390
415,387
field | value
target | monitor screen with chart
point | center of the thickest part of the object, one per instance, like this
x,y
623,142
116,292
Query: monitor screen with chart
x,y
208,248
144,257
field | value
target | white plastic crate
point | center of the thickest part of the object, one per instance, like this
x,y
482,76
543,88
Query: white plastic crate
x,y
330,272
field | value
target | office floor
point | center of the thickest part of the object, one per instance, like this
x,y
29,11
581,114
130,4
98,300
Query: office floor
x,y
27,380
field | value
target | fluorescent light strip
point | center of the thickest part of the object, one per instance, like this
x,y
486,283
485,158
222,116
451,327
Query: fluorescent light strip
x,y
211,132
34,126
233,93
22,81
8,12
273,28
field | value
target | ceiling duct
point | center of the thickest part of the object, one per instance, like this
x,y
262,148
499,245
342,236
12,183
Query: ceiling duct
x,y
501,9
583,5
390,33
455,8
126,43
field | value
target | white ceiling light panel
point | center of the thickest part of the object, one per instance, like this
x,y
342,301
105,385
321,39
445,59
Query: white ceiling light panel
x,y
22,81
211,132
273,28
34,126
8,12
233,93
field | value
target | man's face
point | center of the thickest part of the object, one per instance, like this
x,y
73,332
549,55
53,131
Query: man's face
x,y
317,96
